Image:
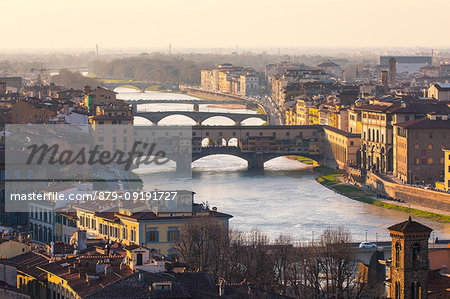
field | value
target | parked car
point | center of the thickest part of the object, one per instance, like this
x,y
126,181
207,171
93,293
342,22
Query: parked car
x,y
367,245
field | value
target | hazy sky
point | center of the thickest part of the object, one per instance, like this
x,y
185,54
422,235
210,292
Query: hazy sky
x,y
226,23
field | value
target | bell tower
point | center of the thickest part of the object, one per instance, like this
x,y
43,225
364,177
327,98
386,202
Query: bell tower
x,y
409,261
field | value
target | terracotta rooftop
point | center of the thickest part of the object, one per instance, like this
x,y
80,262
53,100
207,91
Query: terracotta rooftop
x,y
29,262
183,285
341,132
80,285
425,123
438,285
410,226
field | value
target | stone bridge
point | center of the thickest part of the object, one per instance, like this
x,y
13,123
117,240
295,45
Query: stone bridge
x,y
255,144
195,102
141,86
199,117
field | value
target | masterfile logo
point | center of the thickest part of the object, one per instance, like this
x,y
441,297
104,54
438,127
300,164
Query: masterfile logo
x,y
53,155
102,162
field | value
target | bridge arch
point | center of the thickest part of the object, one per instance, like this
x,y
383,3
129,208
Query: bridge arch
x,y
126,85
209,118
252,118
184,118
216,154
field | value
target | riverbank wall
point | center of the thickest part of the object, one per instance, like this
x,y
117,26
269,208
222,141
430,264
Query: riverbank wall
x,y
412,195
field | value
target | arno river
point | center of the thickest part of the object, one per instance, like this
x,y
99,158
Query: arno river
x,y
282,199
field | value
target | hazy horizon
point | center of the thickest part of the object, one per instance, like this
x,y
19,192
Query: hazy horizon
x,y
209,24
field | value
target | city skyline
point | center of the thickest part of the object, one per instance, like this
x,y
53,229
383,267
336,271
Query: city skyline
x,y
209,24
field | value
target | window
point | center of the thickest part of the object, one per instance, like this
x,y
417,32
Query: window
x,y
417,161
30,173
415,255
132,234
152,235
352,143
416,146
430,146
397,254
430,160
173,234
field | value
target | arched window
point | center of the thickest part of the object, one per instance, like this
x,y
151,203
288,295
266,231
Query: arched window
x,y
397,254
415,255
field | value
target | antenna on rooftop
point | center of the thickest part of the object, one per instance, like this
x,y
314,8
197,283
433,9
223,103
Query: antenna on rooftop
x,y
96,46
170,49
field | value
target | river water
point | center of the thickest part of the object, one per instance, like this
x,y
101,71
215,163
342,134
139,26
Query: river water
x,y
284,198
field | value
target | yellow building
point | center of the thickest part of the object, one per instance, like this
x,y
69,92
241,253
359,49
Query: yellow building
x,y
290,114
334,119
112,115
354,120
303,111
22,272
446,168
314,116
153,230
342,148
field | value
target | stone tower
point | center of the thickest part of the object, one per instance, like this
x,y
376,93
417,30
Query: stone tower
x,y
392,71
409,262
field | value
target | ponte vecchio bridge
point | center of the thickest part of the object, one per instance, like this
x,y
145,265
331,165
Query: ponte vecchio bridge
x,y
255,144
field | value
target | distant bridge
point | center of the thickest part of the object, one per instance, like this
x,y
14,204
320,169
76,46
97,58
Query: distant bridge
x,y
141,86
199,117
182,101
195,102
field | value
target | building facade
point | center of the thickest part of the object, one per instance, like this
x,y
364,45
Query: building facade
x,y
440,91
342,149
418,148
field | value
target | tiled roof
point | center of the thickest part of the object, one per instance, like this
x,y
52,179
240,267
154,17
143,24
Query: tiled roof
x,y
29,262
80,285
410,226
68,214
425,123
341,132
438,285
184,285
442,86
152,216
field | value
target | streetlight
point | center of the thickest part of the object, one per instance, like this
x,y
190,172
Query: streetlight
x,y
376,238
366,235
